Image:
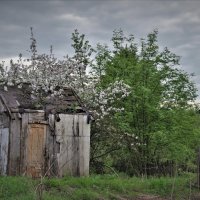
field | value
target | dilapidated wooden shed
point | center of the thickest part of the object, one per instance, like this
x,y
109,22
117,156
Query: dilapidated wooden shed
x,y
52,139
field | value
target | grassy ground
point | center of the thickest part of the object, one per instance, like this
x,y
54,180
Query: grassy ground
x,y
96,187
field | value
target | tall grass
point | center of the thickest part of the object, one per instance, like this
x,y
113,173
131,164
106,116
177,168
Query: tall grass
x,y
16,188
94,187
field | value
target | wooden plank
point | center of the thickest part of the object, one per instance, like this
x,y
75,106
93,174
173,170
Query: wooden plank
x,y
36,150
50,158
84,156
14,146
4,120
49,164
4,143
75,146
23,141
84,128
64,126
84,146
75,126
65,155
38,122
16,110
52,123
75,156
37,117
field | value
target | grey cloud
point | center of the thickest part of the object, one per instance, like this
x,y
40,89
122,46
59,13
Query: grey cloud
x,y
54,21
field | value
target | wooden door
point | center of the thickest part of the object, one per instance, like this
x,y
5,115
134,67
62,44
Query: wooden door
x,y
36,150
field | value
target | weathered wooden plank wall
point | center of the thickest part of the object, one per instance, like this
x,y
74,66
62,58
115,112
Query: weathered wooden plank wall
x,y
73,135
31,147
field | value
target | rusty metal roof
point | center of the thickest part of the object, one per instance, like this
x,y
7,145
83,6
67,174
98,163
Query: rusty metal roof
x,y
21,98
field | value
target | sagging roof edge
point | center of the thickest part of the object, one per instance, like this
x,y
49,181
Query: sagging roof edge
x,y
6,106
85,109
14,110
79,101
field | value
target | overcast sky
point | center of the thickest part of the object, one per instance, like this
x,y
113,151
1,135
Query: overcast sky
x,y
178,22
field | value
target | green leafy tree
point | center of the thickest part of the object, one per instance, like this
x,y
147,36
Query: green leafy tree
x,y
160,91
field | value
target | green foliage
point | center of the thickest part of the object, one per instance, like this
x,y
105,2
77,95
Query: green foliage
x,y
96,187
16,188
158,125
